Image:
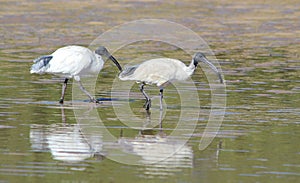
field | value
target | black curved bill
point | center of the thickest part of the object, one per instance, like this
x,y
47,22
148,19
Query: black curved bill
x,y
116,62
213,68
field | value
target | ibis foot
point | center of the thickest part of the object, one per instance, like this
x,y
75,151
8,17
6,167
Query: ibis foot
x,y
93,100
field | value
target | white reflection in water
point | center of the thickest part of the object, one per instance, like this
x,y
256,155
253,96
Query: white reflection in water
x,y
65,142
151,149
159,154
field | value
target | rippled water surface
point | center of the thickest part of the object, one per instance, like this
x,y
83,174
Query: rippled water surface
x,y
256,44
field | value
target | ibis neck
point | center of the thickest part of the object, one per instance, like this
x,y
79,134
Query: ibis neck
x,y
100,61
191,68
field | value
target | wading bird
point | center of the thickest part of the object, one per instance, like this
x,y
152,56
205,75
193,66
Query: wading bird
x,y
73,62
162,71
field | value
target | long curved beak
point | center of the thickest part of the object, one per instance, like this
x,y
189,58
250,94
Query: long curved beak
x,y
213,68
115,62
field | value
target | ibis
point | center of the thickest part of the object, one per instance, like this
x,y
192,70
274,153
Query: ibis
x,y
162,71
73,62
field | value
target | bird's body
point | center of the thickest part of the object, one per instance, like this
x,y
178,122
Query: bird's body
x,y
69,62
162,71
72,62
158,71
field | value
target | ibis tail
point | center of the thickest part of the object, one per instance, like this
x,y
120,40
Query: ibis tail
x,y
40,64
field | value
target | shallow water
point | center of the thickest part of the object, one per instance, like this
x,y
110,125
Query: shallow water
x,y
257,46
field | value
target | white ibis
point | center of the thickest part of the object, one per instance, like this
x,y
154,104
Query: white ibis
x,y
162,71
73,62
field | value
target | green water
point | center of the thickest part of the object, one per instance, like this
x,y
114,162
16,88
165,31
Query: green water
x,y
258,49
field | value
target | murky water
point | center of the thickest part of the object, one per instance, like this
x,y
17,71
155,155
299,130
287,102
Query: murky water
x,y
257,45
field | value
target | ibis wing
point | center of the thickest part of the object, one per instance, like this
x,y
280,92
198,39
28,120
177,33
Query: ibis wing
x,y
70,61
41,64
128,71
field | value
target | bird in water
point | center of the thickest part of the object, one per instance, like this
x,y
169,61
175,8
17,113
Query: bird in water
x,y
162,71
73,62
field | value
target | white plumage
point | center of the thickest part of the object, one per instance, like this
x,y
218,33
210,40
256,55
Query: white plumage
x,y
158,71
162,71
72,62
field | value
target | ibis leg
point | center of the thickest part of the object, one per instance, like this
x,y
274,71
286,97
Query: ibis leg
x,y
161,91
92,99
64,87
148,100
63,116
160,122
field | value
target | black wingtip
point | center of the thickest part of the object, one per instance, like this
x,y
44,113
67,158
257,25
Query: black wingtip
x,y
40,63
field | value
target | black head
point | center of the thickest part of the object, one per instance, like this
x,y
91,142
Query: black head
x,y
200,57
101,50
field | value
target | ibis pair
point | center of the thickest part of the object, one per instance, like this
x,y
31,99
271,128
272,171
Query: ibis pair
x,y
77,61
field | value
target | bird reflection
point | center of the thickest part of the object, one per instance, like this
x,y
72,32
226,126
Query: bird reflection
x,y
157,152
160,154
65,141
